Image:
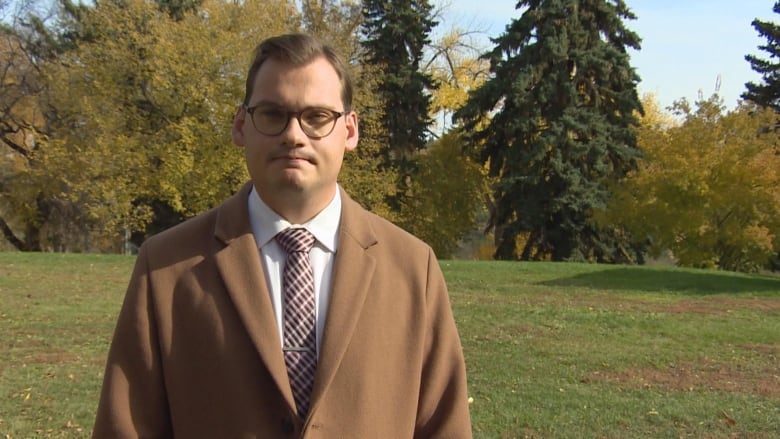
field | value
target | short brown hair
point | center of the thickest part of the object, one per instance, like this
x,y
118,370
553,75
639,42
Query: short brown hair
x,y
298,50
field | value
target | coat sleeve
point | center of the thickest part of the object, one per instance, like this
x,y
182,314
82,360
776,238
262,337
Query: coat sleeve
x,y
133,400
443,410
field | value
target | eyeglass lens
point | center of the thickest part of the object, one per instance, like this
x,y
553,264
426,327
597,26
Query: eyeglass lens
x,y
315,122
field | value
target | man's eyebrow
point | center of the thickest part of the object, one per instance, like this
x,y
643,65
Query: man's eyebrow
x,y
268,104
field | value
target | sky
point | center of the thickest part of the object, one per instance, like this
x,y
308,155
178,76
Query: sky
x,y
689,47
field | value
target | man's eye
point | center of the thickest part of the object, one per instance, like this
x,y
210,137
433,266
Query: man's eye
x,y
270,114
317,116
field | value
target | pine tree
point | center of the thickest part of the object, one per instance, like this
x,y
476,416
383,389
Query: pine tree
x,y
395,34
564,103
766,94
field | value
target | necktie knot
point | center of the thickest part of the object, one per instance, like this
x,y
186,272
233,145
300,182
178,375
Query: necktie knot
x,y
296,240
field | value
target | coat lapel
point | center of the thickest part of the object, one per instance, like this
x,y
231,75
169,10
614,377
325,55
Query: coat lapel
x,y
241,269
352,272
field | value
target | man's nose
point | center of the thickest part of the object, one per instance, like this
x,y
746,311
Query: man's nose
x,y
293,134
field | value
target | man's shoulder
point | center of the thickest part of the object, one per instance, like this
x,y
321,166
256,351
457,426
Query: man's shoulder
x,y
195,228
385,227
206,231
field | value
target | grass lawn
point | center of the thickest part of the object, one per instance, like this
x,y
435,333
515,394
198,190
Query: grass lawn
x,y
552,350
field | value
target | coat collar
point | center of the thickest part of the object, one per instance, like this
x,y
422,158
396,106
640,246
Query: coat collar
x,y
239,264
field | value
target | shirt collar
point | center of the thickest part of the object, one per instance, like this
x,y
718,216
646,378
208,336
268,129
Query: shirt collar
x,y
266,223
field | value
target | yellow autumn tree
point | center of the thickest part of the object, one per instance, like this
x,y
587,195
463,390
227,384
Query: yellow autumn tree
x,y
137,119
708,188
145,103
446,195
457,69
26,211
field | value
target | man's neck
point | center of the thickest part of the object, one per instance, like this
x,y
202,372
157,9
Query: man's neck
x,y
296,207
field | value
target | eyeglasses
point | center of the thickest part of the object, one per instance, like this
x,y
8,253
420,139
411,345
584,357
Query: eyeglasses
x,y
315,122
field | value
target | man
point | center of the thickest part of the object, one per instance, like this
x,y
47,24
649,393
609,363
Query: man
x,y
205,344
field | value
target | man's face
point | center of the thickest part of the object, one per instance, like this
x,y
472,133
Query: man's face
x,y
292,167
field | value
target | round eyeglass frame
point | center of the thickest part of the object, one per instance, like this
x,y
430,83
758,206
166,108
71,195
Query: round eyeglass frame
x,y
297,114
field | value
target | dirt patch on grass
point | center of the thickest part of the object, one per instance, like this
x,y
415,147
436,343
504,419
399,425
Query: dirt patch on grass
x,y
30,356
761,378
56,358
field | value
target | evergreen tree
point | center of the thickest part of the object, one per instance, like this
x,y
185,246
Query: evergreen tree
x,y
337,22
766,94
564,104
395,34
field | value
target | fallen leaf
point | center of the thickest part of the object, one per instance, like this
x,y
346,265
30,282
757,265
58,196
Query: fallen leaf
x,y
729,419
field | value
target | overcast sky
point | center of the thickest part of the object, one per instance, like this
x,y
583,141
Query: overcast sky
x,y
686,44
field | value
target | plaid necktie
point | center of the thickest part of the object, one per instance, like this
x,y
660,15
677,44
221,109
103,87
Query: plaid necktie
x,y
300,337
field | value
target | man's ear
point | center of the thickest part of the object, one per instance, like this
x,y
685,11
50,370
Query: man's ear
x,y
238,126
351,120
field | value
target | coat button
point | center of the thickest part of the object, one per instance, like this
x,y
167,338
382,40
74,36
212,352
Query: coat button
x,y
287,425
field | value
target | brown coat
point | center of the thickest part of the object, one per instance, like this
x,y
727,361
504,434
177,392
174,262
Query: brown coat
x,y
196,351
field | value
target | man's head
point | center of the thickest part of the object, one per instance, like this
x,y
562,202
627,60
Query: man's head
x,y
298,50
296,124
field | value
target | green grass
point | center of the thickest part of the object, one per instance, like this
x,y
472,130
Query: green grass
x,y
552,350
57,314
571,350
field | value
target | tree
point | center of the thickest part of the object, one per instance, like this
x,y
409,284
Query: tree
x,y
395,35
564,100
177,9
708,189
177,83
456,68
130,116
334,21
31,211
368,183
445,195
767,93
137,119
18,85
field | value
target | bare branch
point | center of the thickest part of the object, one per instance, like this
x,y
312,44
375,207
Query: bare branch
x,y
10,236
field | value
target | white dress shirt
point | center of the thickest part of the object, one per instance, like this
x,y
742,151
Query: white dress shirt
x,y
266,224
